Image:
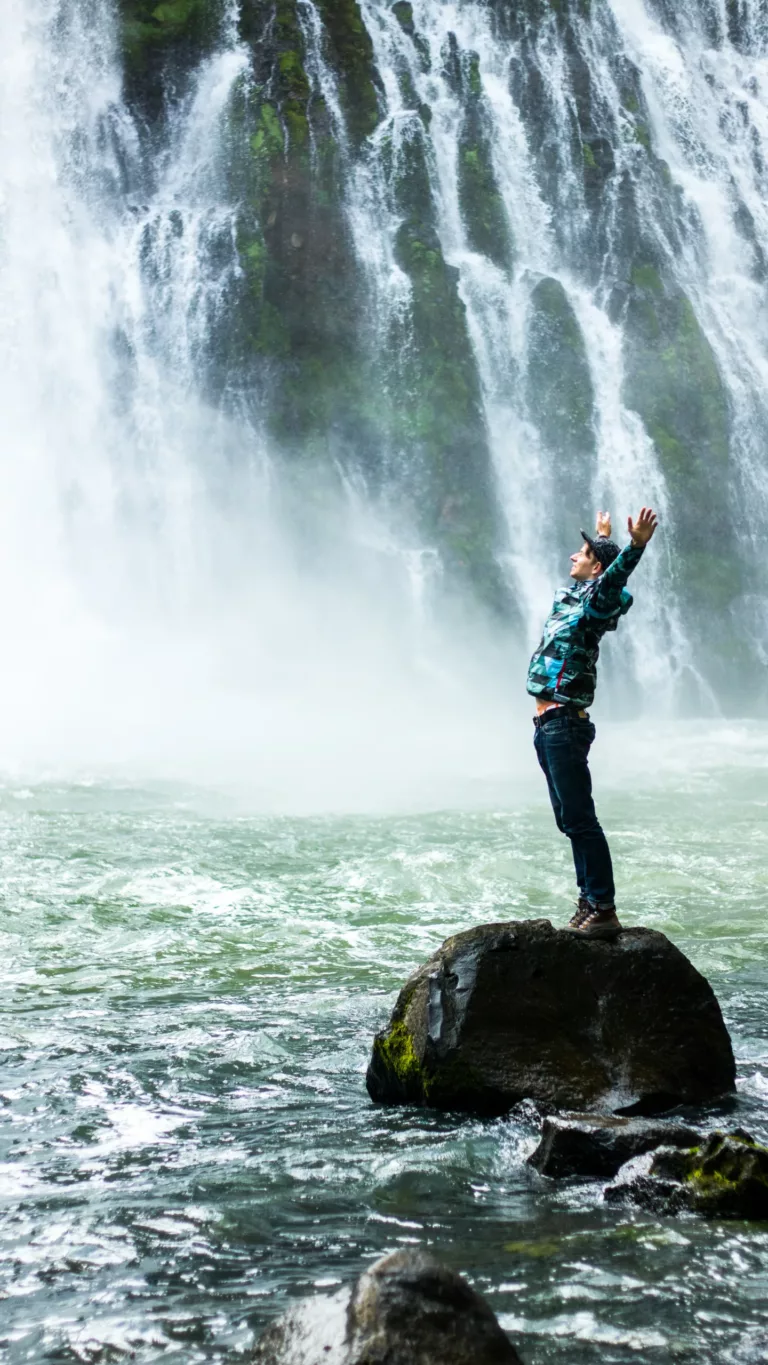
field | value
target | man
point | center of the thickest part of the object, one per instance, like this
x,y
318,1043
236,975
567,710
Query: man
x,y
562,677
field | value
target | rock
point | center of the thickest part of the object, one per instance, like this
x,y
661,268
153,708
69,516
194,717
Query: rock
x,y
599,1145
406,1310
726,1176
505,1012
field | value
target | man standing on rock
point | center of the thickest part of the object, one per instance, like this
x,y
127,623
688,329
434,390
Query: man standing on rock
x,y
562,677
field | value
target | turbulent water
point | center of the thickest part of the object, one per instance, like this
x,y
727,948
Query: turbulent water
x,y
207,657
190,995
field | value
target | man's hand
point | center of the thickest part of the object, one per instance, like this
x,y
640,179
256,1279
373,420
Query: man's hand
x,y
603,524
640,531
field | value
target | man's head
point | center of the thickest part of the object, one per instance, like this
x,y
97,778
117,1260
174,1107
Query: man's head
x,y
596,554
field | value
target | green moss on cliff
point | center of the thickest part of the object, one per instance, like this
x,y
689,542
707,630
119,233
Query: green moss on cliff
x,y
482,206
146,23
302,292
560,398
673,382
403,12
352,56
439,418
157,37
560,389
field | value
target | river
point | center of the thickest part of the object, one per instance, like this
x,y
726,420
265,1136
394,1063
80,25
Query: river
x,y
192,981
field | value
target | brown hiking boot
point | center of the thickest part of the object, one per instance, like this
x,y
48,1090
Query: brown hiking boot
x,y
597,922
583,908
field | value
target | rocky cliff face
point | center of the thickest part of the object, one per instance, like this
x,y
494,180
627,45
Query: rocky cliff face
x,y
475,270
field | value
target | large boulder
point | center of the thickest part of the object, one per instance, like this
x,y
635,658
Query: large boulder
x,y
598,1145
724,1177
406,1310
506,1012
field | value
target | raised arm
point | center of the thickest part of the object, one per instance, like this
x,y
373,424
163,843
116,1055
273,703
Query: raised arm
x,y
607,595
640,531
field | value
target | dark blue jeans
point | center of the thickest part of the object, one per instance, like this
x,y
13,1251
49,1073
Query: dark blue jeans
x,y
562,748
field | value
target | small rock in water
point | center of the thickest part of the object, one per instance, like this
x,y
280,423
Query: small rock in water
x,y
599,1145
506,1012
408,1309
726,1176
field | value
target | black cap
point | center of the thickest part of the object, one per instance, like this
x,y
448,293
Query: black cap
x,y
604,550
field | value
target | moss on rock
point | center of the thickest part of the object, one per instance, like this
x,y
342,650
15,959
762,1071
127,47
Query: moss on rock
x,y
302,310
439,413
352,56
560,396
395,1052
505,1012
674,383
482,206
726,1177
403,12
158,38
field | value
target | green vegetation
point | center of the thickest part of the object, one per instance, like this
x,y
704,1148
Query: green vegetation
x,y
396,1052
438,415
351,53
482,206
673,381
560,397
155,36
727,1176
403,12
299,315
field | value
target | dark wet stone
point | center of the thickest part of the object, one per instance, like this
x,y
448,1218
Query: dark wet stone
x,y
505,1012
726,1176
406,1310
599,1145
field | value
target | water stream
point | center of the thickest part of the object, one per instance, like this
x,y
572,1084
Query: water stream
x,y
191,989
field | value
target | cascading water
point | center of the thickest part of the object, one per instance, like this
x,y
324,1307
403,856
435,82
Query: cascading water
x,y
572,81
192,602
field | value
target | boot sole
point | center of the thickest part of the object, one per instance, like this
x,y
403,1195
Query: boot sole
x,y
599,931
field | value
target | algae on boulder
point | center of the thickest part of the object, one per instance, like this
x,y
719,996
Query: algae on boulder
x,y
726,1176
599,1144
506,1012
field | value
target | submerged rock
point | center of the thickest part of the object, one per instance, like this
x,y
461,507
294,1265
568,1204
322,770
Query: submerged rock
x,y
406,1310
599,1145
724,1177
505,1012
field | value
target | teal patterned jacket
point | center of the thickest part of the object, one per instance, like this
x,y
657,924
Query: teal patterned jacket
x,y
564,665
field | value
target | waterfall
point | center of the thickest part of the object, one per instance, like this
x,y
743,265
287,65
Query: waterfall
x,y
173,598
555,213
625,152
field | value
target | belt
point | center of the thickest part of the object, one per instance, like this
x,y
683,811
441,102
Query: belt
x,y
563,710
